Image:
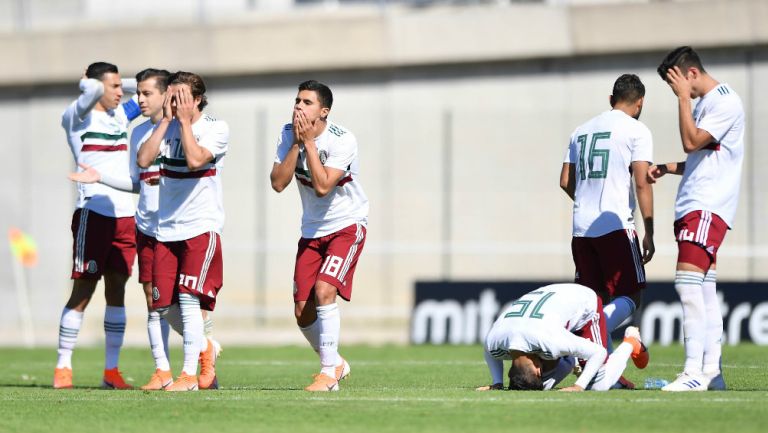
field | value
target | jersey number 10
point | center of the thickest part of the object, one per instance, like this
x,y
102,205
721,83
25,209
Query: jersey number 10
x,y
603,154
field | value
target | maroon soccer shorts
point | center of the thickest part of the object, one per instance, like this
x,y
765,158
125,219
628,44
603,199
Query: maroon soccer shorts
x,y
191,266
611,264
145,247
102,243
331,258
699,235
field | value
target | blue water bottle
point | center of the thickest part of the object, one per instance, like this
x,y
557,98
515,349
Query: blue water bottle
x,y
655,383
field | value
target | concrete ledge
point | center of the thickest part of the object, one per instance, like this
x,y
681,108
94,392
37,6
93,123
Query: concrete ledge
x,y
363,38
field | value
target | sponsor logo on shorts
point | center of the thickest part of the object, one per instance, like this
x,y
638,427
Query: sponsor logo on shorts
x,y
323,156
91,267
155,294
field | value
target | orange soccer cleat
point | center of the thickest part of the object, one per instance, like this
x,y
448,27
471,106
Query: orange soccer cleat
x,y
159,381
323,383
62,378
184,382
640,354
113,379
342,370
207,361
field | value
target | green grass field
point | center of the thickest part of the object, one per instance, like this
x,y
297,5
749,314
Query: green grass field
x,y
391,389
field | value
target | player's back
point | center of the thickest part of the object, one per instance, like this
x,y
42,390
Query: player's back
x,y
602,151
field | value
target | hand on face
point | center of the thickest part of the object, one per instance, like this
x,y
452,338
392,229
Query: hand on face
x,y
303,128
679,82
169,104
185,103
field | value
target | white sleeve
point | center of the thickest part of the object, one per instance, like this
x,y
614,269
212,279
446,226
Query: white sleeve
x,y
216,140
562,343
129,85
120,183
343,152
720,118
572,153
496,367
642,145
92,90
284,143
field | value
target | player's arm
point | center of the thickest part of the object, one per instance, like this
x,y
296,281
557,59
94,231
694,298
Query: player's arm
x,y
658,170
91,175
568,179
131,106
496,368
282,171
593,353
644,191
324,179
91,91
196,155
691,136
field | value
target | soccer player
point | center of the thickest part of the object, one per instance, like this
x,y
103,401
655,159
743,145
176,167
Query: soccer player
x,y
545,329
103,227
604,156
322,155
713,139
187,265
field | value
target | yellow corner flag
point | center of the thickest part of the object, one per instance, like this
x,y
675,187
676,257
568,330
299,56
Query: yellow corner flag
x,y
23,247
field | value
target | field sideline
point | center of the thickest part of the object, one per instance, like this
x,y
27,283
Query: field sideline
x,y
391,389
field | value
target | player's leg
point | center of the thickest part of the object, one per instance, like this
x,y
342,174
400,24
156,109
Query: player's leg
x,y
692,262
335,276
208,331
614,367
309,258
711,365
89,251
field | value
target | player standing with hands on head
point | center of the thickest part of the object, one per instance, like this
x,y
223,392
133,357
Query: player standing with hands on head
x,y
713,139
605,155
103,227
187,266
323,157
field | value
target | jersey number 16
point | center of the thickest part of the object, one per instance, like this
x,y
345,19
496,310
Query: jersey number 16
x,y
603,154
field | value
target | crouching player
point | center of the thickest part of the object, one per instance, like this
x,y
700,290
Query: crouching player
x,y
187,266
545,329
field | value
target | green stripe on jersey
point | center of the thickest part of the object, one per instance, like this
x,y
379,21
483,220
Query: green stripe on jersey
x,y
103,136
173,162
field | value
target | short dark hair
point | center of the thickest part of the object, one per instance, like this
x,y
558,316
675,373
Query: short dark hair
x,y
324,94
98,69
627,87
682,57
160,76
524,380
194,81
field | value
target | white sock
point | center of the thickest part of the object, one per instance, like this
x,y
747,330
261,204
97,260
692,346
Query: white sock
x,y
69,327
714,328
172,316
610,372
192,321
312,334
156,343
165,329
617,311
688,285
330,327
114,329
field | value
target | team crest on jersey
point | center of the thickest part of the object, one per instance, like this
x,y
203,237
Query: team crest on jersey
x,y
323,156
155,294
91,267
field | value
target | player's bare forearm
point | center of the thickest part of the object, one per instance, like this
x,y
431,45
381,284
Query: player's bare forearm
x,y
151,148
324,179
568,179
196,156
691,137
282,172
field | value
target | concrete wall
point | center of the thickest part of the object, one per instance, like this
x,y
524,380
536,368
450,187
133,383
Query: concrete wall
x,y
462,115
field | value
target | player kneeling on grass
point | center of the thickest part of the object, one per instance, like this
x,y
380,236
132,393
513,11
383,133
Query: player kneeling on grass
x,y
545,329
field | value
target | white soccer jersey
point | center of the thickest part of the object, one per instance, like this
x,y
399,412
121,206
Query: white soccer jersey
x,y
602,151
347,203
146,210
541,323
191,201
100,140
713,174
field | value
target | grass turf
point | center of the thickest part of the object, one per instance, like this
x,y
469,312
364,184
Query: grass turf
x,y
391,389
